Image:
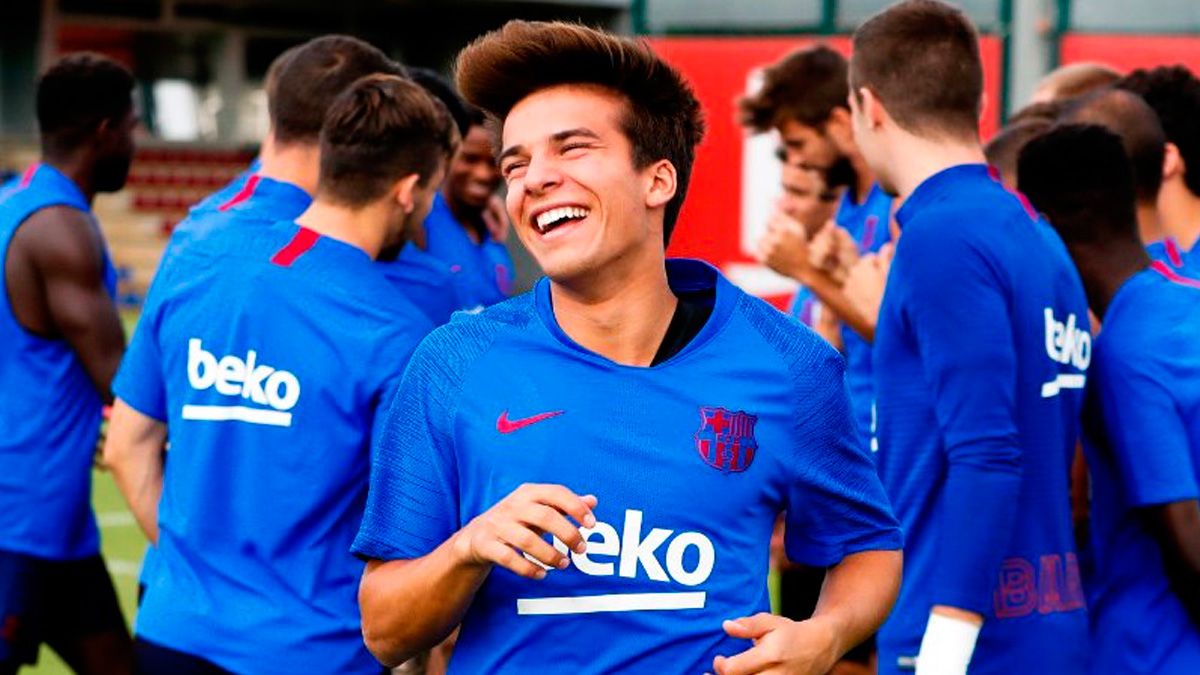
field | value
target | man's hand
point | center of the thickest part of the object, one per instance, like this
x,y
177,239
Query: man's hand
x,y
518,522
866,280
780,646
833,251
495,219
784,247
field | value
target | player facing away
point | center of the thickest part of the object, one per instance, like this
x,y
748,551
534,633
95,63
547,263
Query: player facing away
x,y
62,342
1142,415
653,423
302,84
983,330
265,358
1174,94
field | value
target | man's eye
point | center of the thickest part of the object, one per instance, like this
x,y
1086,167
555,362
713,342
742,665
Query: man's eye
x,y
509,168
574,146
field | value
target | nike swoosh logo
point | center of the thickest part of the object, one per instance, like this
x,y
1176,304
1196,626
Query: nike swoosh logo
x,y
507,426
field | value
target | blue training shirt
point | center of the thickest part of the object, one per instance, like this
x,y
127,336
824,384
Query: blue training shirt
x,y
267,351
50,417
868,224
484,271
1142,423
1170,252
749,419
980,355
427,282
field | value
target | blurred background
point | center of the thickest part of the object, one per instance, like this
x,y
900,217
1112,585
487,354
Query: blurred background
x,y
200,66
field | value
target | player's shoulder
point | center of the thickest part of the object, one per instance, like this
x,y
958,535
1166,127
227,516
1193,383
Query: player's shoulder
x,y
455,346
799,348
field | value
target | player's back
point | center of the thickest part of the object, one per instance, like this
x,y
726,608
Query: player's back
x,y
427,282
50,417
273,348
1147,355
977,271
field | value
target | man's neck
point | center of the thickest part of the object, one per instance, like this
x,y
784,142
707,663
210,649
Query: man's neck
x,y
1105,268
620,315
865,178
77,169
927,157
1149,222
364,228
1180,213
295,163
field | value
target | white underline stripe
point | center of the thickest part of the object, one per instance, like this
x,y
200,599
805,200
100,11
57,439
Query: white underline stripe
x,y
238,413
618,602
1072,381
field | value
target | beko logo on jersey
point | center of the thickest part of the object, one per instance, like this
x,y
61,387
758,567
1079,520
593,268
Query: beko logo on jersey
x,y
246,379
1067,344
686,558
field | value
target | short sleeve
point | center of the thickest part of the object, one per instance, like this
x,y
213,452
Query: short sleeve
x,y
139,382
1146,432
412,503
836,505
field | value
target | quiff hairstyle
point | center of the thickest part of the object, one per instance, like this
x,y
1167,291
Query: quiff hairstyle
x,y
806,86
662,120
920,58
304,81
1077,79
380,130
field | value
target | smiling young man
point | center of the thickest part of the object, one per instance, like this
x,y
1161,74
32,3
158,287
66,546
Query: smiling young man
x,y
653,422
984,333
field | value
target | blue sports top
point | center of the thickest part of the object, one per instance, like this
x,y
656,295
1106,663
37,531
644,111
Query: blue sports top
x,y
267,351
980,355
691,461
1142,426
427,282
50,419
484,271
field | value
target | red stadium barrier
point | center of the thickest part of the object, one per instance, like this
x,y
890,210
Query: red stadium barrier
x,y
711,224
1129,52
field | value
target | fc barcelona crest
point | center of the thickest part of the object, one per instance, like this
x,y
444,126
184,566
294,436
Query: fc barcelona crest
x,y
725,440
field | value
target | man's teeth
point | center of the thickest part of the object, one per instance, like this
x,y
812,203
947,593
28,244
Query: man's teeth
x,y
547,219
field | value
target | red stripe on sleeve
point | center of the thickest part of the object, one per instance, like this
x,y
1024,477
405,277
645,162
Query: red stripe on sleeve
x,y
298,246
245,193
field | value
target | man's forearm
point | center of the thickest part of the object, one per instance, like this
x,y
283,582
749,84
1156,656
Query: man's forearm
x,y
411,605
133,451
858,594
831,296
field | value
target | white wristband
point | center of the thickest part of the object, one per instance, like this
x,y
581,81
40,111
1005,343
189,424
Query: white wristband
x,y
947,646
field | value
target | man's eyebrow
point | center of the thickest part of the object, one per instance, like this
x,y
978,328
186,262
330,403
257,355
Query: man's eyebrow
x,y
508,152
581,131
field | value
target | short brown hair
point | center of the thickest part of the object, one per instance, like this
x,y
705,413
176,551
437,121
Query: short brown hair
x,y
1076,79
663,120
1004,149
1133,121
920,58
805,86
380,130
310,76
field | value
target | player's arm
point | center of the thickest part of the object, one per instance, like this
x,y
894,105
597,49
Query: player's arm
x,y
959,312
435,590
784,248
1176,526
134,454
838,517
68,253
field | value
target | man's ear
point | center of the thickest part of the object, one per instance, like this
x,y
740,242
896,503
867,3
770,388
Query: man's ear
x,y
1173,164
872,108
405,192
663,183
